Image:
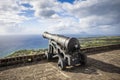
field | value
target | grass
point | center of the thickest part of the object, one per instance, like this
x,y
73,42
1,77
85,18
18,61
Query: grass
x,y
84,42
99,41
26,52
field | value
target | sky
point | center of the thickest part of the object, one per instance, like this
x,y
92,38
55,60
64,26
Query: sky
x,y
92,17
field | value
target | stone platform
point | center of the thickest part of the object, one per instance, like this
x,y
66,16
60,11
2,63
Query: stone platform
x,y
100,66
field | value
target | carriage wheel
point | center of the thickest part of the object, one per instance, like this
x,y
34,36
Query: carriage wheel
x,y
48,56
83,60
61,64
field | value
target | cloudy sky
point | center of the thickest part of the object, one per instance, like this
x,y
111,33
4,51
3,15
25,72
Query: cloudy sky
x,y
91,17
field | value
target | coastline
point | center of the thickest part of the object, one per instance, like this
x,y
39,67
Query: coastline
x,y
84,42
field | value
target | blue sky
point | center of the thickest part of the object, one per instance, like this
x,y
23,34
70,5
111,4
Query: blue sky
x,y
92,17
69,1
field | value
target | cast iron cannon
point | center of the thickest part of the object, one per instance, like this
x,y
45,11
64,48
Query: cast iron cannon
x,y
66,49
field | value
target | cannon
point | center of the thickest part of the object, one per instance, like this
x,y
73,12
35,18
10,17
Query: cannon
x,y
66,49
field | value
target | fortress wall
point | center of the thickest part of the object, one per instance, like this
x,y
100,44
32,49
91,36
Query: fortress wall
x,y
39,57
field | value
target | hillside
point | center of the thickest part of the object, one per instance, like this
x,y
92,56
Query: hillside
x,y
84,42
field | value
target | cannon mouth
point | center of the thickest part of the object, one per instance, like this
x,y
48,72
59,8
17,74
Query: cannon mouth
x,y
44,34
73,44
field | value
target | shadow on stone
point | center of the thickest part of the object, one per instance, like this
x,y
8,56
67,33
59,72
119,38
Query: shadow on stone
x,y
93,65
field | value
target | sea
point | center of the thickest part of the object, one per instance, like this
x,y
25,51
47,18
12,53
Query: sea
x,y
11,43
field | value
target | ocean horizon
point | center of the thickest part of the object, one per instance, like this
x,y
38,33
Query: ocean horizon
x,y
12,43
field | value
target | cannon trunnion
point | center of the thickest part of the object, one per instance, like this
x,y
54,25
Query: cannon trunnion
x,y
66,49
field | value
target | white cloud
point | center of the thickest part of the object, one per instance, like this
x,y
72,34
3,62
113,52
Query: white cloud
x,y
9,16
44,9
83,16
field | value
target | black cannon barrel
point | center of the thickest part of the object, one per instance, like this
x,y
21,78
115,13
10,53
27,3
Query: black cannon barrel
x,y
66,42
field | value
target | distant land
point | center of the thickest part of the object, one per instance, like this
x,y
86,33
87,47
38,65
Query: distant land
x,y
84,42
11,43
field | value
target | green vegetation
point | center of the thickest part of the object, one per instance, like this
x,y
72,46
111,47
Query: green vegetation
x,y
26,52
84,42
99,41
